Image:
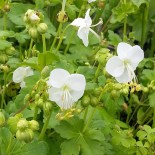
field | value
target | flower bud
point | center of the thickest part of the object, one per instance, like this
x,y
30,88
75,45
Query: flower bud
x,y
94,101
145,89
26,135
6,7
115,94
62,17
85,101
42,28
27,97
33,32
12,123
34,125
97,91
3,58
2,118
10,51
45,72
4,68
40,102
22,124
37,96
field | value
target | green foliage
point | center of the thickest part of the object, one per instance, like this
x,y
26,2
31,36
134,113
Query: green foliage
x,y
86,142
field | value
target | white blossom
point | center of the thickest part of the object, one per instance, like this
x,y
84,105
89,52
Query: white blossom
x,y
66,88
84,25
89,1
122,66
20,73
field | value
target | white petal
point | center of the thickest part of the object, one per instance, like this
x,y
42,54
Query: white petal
x,y
83,34
78,22
88,20
89,1
22,84
122,50
77,95
115,66
125,77
76,82
55,94
58,77
28,71
135,55
18,75
34,17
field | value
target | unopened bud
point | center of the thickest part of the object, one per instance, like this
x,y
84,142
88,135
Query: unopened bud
x,y
34,125
94,101
10,51
42,28
33,32
26,135
45,72
22,124
62,17
3,58
12,123
85,101
6,7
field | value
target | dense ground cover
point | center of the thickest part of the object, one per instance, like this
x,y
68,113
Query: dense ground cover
x,y
77,77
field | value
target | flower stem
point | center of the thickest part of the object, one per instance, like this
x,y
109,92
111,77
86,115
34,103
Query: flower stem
x,y
89,120
153,125
35,113
98,71
3,91
30,47
9,145
124,30
61,38
85,114
55,38
41,136
44,43
144,22
151,53
5,21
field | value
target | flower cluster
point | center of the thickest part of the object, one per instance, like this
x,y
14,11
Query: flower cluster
x,y
34,23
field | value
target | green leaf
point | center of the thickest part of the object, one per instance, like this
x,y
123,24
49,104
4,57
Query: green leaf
x,y
45,59
17,12
4,44
138,3
35,148
147,76
39,4
121,11
151,98
2,2
87,142
114,38
71,11
6,34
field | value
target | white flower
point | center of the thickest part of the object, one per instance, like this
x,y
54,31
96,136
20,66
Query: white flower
x,y
20,73
122,66
66,88
89,1
84,25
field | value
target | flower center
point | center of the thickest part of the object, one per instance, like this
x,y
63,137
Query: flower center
x,y
67,99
